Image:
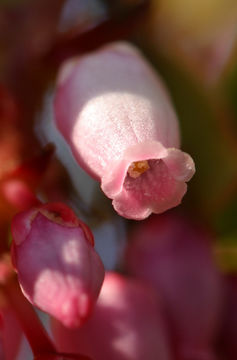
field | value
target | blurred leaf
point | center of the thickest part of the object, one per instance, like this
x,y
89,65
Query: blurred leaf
x,y
231,89
226,254
225,222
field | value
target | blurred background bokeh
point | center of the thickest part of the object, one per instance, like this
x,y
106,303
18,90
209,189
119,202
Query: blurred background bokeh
x,y
191,44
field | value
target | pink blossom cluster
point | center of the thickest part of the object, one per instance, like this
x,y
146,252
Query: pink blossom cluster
x,y
169,301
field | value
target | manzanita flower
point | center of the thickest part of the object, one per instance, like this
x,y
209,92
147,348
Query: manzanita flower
x,y
126,324
174,255
58,268
117,117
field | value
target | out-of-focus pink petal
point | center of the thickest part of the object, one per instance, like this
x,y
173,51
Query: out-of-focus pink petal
x,y
115,113
19,195
126,324
58,268
174,256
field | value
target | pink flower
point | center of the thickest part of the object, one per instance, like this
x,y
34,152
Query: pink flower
x,y
174,256
126,324
58,269
114,112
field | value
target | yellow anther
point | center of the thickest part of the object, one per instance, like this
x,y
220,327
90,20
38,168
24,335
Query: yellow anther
x,y
137,168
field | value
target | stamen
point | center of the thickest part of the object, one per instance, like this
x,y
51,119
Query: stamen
x,y
137,168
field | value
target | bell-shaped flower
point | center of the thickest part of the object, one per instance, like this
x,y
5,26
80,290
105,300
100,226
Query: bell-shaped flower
x,y
126,324
115,113
58,268
174,256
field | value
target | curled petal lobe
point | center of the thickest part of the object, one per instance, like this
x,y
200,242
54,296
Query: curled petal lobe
x,y
115,113
58,268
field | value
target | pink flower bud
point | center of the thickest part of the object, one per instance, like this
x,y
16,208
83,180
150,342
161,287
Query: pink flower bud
x,y
174,256
58,269
126,324
114,112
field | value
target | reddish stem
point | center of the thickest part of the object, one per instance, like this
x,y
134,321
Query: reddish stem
x,y
116,28
34,331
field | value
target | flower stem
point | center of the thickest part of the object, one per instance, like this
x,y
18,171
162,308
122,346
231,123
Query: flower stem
x,y
30,323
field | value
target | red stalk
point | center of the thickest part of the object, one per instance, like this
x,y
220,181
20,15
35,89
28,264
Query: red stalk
x,y
30,323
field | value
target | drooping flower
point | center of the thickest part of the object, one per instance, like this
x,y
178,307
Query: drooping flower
x,y
174,256
58,268
126,324
117,117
